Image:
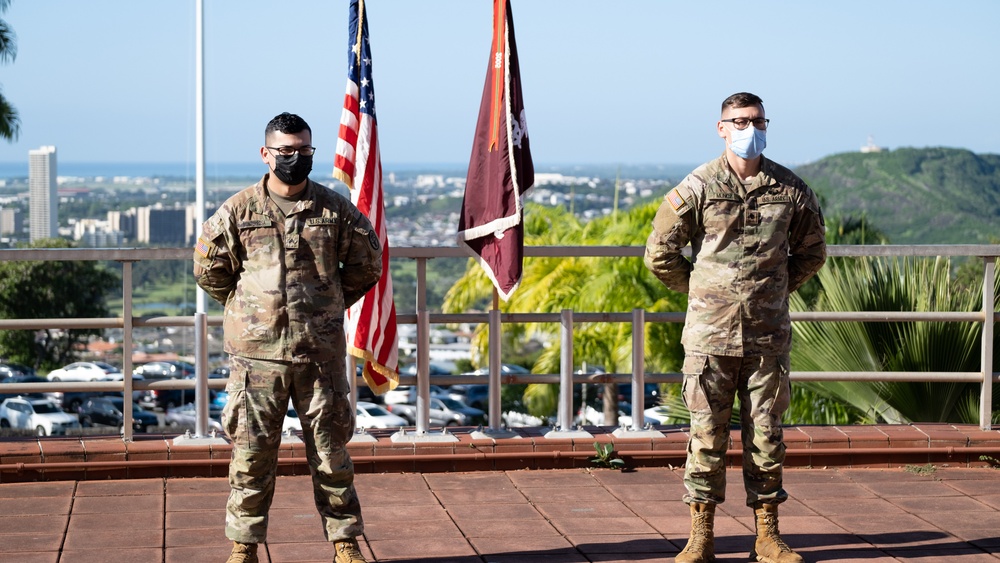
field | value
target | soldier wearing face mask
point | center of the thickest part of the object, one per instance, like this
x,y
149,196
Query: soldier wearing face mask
x,y
756,234
286,257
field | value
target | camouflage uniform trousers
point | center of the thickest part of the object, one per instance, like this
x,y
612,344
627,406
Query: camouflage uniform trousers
x,y
259,392
710,385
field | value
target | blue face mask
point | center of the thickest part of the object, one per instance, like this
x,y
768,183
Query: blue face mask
x,y
748,143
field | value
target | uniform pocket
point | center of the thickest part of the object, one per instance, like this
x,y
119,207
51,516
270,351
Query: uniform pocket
x,y
693,388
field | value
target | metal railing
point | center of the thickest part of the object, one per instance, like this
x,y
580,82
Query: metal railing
x,y
423,319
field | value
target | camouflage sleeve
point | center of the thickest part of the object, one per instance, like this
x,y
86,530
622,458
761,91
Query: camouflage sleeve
x,y
215,265
806,242
360,256
672,228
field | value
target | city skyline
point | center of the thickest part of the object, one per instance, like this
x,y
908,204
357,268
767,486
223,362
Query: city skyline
x,y
637,84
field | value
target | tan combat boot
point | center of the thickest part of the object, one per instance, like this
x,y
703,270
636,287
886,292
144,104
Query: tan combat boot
x,y
700,547
243,553
769,548
347,551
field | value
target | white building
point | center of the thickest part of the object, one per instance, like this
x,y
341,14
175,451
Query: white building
x,y
10,221
43,190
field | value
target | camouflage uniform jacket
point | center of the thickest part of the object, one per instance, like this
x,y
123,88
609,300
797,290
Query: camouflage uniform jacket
x,y
750,248
285,282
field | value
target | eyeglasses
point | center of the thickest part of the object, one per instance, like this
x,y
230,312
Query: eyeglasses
x,y
289,151
742,122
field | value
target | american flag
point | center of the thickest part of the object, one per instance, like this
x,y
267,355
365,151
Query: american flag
x,y
371,322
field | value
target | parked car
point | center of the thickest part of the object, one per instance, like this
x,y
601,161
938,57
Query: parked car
x,y
184,417
476,396
9,370
217,402
73,400
164,399
408,394
291,421
505,369
651,393
83,371
370,415
432,369
109,411
221,372
41,415
22,379
121,377
444,411
165,370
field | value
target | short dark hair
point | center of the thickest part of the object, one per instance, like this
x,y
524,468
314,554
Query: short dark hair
x,y
742,100
286,123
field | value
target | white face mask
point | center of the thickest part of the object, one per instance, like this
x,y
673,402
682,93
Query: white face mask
x,y
748,143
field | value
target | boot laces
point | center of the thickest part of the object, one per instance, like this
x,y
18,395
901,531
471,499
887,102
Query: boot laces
x,y
242,553
700,531
770,525
348,551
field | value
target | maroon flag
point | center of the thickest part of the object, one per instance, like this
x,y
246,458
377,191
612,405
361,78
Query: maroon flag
x,y
500,170
371,322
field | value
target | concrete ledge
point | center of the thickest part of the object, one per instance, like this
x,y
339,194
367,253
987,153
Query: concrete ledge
x,y
469,449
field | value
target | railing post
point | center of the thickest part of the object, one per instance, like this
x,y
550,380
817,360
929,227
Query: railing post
x,y
638,369
989,306
565,412
127,329
423,351
201,375
495,370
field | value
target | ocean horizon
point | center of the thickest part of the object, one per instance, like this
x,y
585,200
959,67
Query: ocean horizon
x,y
255,169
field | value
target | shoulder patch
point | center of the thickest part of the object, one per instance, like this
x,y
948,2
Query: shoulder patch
x,y
204,248
678,203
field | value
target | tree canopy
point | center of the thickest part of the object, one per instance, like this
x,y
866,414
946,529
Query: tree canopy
x,y
10,122
46,290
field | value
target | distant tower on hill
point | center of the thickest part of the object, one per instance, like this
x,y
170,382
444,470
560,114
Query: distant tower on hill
x,y
871,146
43,192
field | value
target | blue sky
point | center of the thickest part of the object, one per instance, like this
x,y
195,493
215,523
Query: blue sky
x,y
624,82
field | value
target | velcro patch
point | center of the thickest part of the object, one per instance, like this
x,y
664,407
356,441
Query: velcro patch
x,y
321,221
723,196
254,224
677,201
774,199
203,247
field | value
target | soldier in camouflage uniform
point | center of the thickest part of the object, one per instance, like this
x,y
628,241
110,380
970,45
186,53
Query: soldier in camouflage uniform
x,y
756,234
286,257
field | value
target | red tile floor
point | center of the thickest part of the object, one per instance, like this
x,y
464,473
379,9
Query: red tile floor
x,y
937,511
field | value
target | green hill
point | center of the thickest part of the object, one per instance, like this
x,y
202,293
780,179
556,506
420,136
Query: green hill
x,y
914,196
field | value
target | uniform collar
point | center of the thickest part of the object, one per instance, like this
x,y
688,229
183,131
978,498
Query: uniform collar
x,y
726,175
261,205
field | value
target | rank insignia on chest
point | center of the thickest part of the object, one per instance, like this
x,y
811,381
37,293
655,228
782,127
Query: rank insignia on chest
x,y
292,240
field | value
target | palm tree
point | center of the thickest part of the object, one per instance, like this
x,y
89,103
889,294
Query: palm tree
x,y
10,123
550,285
901,284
